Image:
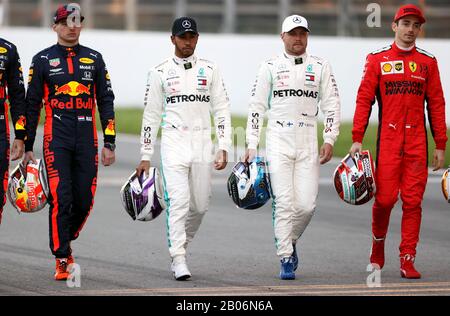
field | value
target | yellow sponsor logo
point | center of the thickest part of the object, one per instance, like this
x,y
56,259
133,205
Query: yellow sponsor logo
x,y
3,50
110,129
20,124
387,67
398,66
412,66
86,61
107,76
73,89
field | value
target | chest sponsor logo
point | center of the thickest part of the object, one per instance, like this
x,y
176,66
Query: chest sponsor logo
x,y
171,72
87,67
188,98
202,82
55,70
310,77
87,76
54,62
86,60
404,87
392,67
398,66
295,93
412,66
73,89
3,50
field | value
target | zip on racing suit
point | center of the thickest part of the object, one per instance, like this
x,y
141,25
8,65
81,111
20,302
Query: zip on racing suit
x,y
290,90
70,81
401,81
12,94
181,93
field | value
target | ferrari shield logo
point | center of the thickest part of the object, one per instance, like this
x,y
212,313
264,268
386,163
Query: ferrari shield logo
x,y
412,66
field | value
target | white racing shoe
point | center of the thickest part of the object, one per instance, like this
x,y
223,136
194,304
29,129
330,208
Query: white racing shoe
x,y
180,270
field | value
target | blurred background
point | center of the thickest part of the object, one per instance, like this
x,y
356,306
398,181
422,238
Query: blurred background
x,y
134,35
326,17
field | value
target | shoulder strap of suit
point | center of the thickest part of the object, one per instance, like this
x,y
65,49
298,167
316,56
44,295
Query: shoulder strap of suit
x,y
424,52
381,50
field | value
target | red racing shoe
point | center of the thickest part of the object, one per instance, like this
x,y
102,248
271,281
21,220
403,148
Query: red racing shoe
x,y
61,272
407,269
377,252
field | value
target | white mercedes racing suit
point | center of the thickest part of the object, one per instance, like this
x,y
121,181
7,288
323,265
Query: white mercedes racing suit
x,y
290,90
181,92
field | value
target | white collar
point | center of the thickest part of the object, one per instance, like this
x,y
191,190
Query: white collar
x,y
293,58
181,61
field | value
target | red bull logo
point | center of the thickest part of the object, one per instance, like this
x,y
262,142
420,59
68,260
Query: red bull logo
x,y
110,129
78,104
73,89
20,124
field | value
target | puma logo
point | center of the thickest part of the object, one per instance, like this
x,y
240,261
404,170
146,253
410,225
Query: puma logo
x,y
58,116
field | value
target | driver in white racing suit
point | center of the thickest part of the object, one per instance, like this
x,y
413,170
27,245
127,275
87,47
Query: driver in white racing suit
x,y
290,88
180,92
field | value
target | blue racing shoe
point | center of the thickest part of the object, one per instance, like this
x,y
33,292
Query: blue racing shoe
x,y
295,257
287,269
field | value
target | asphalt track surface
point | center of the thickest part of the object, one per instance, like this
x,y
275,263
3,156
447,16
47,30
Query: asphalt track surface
x,y
232,254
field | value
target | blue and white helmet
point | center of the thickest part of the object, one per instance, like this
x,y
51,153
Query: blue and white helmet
x,y
142,197
249,184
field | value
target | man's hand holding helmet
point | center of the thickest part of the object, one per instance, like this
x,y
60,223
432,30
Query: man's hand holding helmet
x,y
356,148
17,149
144,166
249,155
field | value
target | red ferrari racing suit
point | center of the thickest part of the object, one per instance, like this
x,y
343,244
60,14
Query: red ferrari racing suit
x,y
401,81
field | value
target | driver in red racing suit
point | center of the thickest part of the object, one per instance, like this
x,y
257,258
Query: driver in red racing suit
x,y
401,77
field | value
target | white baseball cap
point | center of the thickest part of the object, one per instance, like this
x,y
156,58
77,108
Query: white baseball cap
x,y
293,21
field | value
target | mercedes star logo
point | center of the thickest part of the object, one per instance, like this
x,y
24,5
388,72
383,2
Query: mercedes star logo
x,y
296,19
186,24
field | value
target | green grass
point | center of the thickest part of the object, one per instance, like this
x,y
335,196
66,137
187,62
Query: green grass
x,y
129,120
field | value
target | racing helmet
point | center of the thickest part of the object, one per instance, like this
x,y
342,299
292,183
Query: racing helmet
x,y
142,197
28,187
249,184
445,183
354,178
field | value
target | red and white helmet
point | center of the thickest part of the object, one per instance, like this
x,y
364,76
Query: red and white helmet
x,y
28,187
445,183
354,178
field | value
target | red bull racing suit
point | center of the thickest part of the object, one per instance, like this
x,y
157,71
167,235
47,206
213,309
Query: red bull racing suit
x,y
181,92
290,89
12,94
69,82
401,81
